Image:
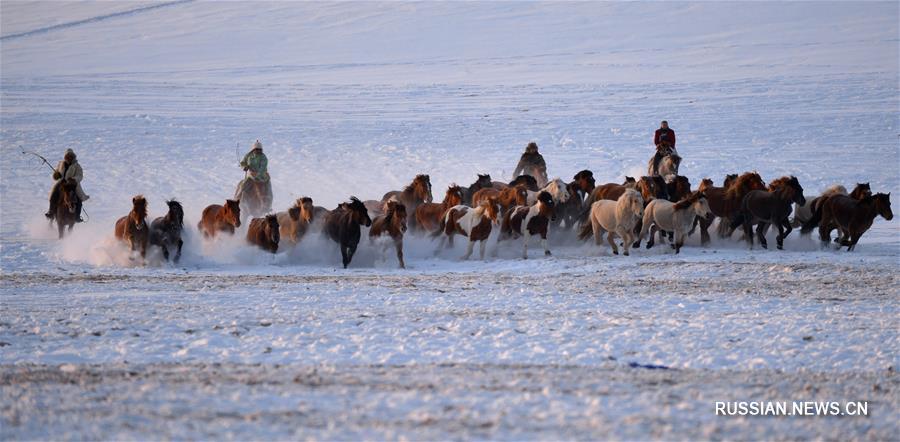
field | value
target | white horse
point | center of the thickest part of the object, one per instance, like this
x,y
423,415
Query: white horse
x,y
526,221
616,217
678,217
556,188
802,214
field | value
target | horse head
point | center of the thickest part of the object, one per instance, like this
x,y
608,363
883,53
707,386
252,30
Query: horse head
x,y
396,211
521,194
272,229
630,182
546,206
559,190
307,209
700,204
705,184
139,211
232,212
862,190
69,195
358,212
177,212
454,196
422,188
729,180
492,209
483,181
633,201
883,205
585,181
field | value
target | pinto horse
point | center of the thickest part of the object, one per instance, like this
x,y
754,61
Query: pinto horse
x,y
414,194
852,217
393,225
483,182
294,223
772,206
473,223
506,198
526,221
165,231
67,207
132,228
216,218
342,225
264,233
428,215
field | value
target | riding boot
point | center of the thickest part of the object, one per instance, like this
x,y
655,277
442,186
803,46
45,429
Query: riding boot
x,y
78,212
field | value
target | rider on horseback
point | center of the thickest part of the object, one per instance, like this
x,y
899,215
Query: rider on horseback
x,y
664,139
256,183
532,164
67,169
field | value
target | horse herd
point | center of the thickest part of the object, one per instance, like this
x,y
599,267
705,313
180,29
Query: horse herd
x,y
634,210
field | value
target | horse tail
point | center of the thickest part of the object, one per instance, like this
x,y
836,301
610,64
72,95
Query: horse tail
x,y
815,219
587,229
443,225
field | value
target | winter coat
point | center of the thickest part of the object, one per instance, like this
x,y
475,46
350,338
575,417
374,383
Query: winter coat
x,y
532,163
256,163
664,136
73,171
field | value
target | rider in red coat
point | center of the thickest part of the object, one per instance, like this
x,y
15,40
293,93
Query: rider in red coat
x,y
664,135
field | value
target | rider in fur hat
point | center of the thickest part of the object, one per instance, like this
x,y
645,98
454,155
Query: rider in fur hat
x,y
67,169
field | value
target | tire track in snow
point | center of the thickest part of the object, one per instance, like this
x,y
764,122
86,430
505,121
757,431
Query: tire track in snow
x,y
85,21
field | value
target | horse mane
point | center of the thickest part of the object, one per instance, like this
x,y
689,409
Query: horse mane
x,y
688,201
734,190
836,189
139,200
779,183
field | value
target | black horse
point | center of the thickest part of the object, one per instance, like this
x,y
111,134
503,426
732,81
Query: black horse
x,y
165,231
342,225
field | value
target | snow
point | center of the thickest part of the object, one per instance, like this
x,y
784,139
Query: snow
x,y
357,98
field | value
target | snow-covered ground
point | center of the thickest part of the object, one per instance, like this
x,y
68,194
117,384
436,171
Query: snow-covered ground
x,y
355,99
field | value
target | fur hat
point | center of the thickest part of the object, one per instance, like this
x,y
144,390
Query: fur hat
x,y
69,153
257,145
532,147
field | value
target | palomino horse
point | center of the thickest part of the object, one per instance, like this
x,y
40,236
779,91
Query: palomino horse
x,y
417,192
556,188
526,221
619,218
67,208
677,217
216,218
428,215
483,182
342,225
264,233
165,231
725,202
506,198
772,206
473,223
294,223
392,224
132,228
860,192
852,217
608,191
528,181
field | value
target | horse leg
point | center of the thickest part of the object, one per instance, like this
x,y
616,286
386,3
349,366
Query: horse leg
x,y
598,231
784,229
748,230
639,232
344,259
482,248
854,238
398,244
761,230
544,244
61,227
611,239
178,251
525,237
704,229
469,248
679,241
651,241
165,251
626,239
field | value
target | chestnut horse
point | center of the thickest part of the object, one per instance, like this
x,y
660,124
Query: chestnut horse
x,y
852,217
428,215
133,229
506,198
165,231
526,221
216,218
342,225
483,182
772,206
473,223
392,224
294,223
264,233
724,202
67,207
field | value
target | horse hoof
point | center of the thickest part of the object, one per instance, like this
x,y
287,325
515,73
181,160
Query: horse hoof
x,y
625,253
615,252
547,253
780,247
636,245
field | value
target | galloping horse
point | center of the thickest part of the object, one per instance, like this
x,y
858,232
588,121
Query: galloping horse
x,y
473,223
772,206
483,182
216,218
852,217
677,217
67,208
581,187
294,223
556,188
417,192
608,191
526,221
506,198
132,228
393,225
619,218
811,212
667,165
428,215
342,225
725,202
264,233
165,231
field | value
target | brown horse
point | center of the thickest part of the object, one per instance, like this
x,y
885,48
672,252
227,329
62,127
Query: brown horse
x,y
294,223
165,231
342,225
860,192
473,223
428,215
528,181
133,229
506,198
724,202
483,182
678,188
216,218
264,233
772,206
852,217
393,225
67,207
417,192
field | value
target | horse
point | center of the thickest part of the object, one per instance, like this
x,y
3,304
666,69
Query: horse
x,y
506,198
663,215
678,188
393,225
619,218
295,221
556,188
428,215
342,225
653,187
804,213
852,217
165,231
256,202
860,191
668,164
417,192
216,218
724,202
483,182
473,223
264,233
67,208
526,221
132,228
528,181
772,206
